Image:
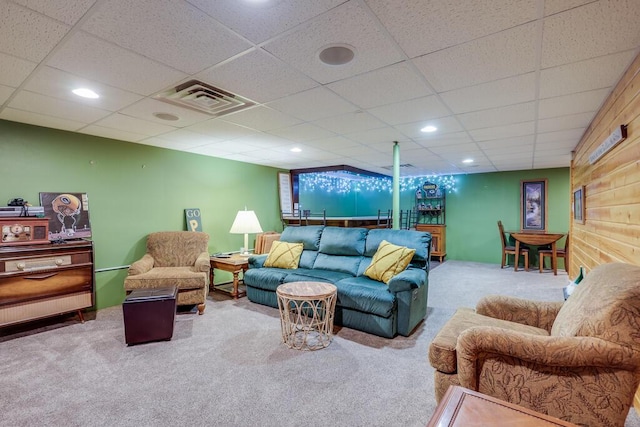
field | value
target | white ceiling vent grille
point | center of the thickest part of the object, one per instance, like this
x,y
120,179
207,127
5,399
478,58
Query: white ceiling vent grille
x,y
205,98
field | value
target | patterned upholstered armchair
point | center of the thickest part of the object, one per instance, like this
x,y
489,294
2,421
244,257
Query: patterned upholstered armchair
x,y
174,258
578,360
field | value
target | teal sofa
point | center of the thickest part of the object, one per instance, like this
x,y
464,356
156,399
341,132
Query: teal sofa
x,y
340,256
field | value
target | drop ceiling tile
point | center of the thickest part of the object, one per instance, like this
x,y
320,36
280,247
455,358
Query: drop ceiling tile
x,y
559,153
426,108
134,125
259,21
460,150
582,102
185,138
14,70
172,32
387,147
164,143
350,122
220,129
59,84
444,125
28,34
212,150
500,55
552,7
112,133
497,144
398,82
589,31
262,118
48,106
563,135
263,140
512,90
565,144
597,73
226,147
258,76
146,108
377,135
512,152
94,59
313,104
552,162
5,93
347,24
499,132
39,119
572,121
493,117
331,144
303,132
67,11
436,139
422,27
352,150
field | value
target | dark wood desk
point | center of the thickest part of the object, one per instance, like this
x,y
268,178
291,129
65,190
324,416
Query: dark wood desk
x,y
461,407
537,238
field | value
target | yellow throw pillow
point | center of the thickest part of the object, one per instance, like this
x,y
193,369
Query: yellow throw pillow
x,y
284,255
388,261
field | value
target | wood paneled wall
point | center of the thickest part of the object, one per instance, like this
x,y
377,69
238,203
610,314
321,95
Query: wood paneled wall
x,y
611,231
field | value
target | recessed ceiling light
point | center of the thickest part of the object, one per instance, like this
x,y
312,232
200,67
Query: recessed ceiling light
x,y
429,128
337,54
296,150
467,161
167,116
85,93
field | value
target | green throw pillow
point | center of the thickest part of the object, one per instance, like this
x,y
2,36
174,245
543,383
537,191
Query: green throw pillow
x,y
388,261
284,255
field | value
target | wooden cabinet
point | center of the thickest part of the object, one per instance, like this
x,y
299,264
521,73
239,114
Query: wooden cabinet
x,y
438,239
43,280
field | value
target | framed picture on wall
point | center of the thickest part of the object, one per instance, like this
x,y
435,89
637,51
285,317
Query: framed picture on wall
x,y
578,205
533,205
68,215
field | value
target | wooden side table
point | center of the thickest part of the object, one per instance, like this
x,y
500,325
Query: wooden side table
x,y
461,407
235,264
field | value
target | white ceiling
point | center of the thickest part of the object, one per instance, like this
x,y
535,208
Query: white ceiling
x,y
512,84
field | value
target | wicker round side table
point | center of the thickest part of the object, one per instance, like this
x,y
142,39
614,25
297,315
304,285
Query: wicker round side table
x,y
306,314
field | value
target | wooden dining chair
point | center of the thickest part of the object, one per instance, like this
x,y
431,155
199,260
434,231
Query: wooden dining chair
x,y
560,253
511,250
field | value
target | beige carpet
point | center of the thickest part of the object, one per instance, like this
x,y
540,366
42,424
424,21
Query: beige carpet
x,y
229,368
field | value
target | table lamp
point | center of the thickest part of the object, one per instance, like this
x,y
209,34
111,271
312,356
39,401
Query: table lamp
x,y
246,222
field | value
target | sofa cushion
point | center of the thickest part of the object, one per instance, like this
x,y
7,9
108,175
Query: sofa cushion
x,y
418,240
284,255
307,259
365,295
388,261
265,278
442,350
309,236
307,275
343,241
343,264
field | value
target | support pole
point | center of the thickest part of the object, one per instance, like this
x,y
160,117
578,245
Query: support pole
x,y
396,186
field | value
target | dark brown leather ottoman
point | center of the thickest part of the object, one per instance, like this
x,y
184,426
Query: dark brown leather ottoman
x,y
149,315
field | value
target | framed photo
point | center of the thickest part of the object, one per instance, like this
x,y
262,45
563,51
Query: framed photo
x,y
68,215
533,205
578,205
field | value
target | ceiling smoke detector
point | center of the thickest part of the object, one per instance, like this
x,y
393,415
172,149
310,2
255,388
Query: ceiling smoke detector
x,y
204,98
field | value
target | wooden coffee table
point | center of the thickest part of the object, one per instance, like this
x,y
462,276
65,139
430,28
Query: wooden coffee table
x,y
235,264
461,407
306,314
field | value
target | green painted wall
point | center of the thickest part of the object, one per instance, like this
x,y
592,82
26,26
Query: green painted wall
x,y
133,190
363,203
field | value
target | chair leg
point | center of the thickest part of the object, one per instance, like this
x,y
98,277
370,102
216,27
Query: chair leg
x,y
201,308
541,261
504,255
526,261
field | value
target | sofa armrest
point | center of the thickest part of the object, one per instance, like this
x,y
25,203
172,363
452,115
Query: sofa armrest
x,y
411,278
203,262
257,261
141,266
540,314
572,354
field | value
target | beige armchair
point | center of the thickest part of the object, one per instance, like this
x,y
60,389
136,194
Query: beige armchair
x,y
174,258
578,360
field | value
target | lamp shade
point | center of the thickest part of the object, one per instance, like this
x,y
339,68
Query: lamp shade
x,y
246,222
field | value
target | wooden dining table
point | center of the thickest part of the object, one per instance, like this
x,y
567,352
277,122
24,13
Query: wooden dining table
x,y
537,238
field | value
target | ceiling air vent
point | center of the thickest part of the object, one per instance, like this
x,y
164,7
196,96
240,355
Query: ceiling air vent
x,y
205,98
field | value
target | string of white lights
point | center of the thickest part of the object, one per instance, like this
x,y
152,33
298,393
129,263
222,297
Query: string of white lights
x,y
310,182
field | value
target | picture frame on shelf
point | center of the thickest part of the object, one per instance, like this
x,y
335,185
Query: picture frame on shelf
x,y
533,204
578,205
68,215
